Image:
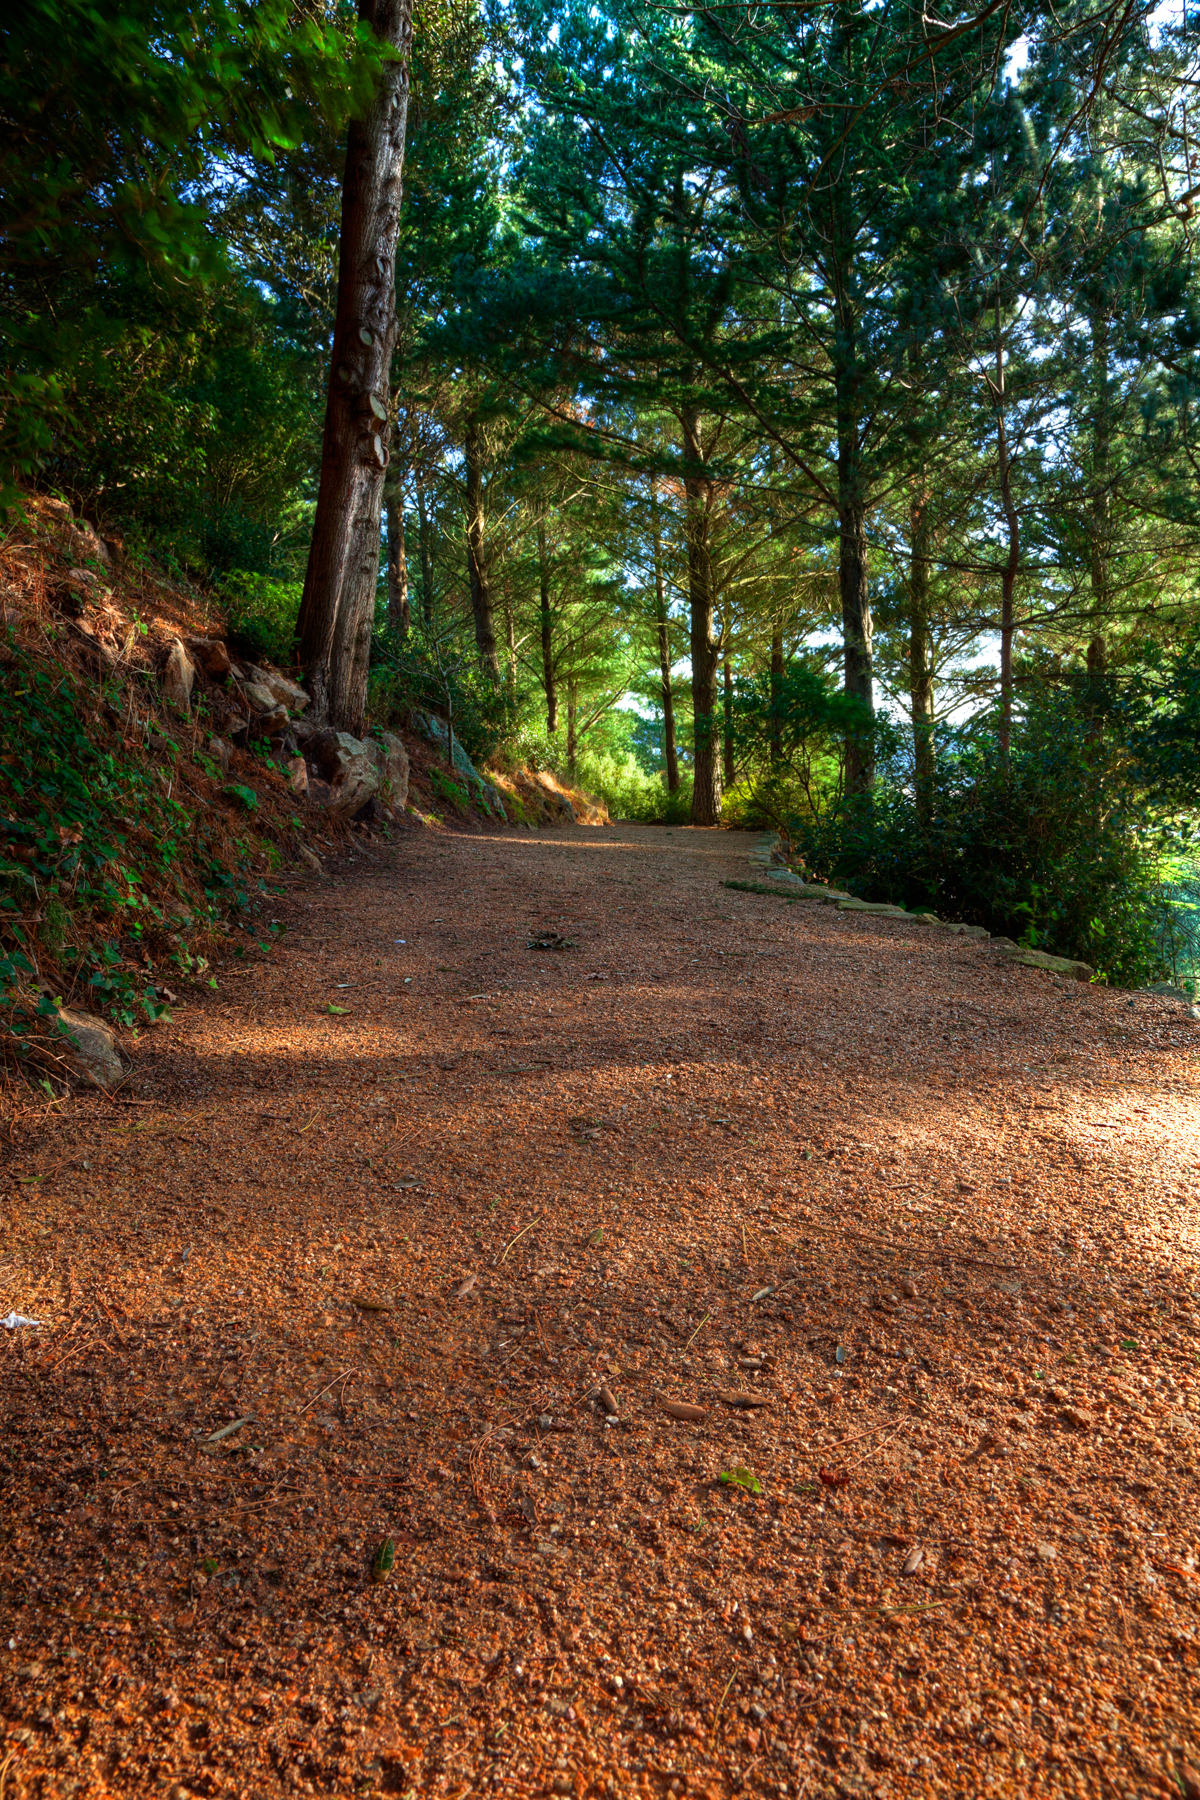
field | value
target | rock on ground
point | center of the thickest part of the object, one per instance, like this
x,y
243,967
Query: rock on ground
x,y
1041,959
390,760
178,675
484,792
90,1049
347,770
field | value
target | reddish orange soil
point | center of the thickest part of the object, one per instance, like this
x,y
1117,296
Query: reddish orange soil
x,y
401,1208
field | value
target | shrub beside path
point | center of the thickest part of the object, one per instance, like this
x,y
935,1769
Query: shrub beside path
x,y
748,1348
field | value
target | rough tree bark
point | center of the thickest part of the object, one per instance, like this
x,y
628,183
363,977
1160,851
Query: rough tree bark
x,y
1008,574
572,724
920,647
852,567
844,225
777,674
727,734
425,550
1100,545
477,567
338,607
548,681
670,750
705,646
510,632
397,562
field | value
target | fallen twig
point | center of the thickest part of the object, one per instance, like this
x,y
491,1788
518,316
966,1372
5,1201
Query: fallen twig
x,y
720,1703
874,1448
844,1443
698,1330
519,1236
338,1377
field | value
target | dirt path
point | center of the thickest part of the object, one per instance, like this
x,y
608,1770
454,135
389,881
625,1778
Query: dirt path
x,y
936,1213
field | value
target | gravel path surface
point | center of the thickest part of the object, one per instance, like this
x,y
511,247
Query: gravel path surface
x,y
438,1229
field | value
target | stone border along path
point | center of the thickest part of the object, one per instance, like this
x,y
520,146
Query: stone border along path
x,y
794,886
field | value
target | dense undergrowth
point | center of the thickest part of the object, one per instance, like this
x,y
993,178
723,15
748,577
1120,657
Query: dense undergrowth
x,y
116,878
1058,841
131,861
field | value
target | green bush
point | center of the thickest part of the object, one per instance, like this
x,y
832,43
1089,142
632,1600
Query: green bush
x,y
1177,924
92,851
1050,845
793,733
456,792
622,783
230,543
261,614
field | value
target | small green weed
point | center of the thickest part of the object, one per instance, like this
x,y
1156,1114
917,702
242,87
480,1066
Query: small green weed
x,y
244,795
448,789
741,1478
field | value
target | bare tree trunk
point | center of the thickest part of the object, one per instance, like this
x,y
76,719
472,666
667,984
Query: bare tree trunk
x,y
397,561
510,632
852,543
670,749
727,737
777,674
856,618
425,548
547,633
337,610
705,647
481,593
920,650
1008,575
1101,509
572,724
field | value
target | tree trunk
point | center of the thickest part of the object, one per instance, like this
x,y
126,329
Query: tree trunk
x,y
855,596
920,650
777,674
727,735
481,593
572,724
1008,575
1101,508
851,483
337,611
670,750
547,633
510,632
425,548
705,648
397,561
